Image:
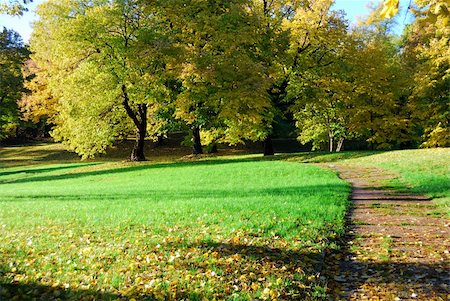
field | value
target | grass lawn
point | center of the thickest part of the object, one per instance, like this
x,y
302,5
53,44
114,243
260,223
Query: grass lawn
x,y
424,171
234,228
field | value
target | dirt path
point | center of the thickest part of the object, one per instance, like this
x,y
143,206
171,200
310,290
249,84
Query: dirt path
x,y
397,246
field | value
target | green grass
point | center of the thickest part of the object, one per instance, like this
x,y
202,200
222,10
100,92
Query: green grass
x,y
46,153
234,228
423,171
230,227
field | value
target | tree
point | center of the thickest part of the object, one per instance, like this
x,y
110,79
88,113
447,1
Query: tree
x,y
224,90
14,7
436,10
318,85
38,104
426,55
271,49
345,95
293,36
12,56
377,113
99,46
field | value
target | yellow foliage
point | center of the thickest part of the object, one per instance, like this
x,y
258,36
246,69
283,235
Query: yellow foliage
x,y
390,8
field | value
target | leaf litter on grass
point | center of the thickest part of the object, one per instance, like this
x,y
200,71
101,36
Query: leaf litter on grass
x,y
255,235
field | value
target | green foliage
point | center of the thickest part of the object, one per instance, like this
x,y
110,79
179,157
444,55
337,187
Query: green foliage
x,y
13,7
97,46
231,70
339,93
89,120
12,56
224,88
427,58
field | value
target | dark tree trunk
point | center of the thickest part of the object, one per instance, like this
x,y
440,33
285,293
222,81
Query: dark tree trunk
x,y
197,145
140,121
212,148
160,141
138,151
268,147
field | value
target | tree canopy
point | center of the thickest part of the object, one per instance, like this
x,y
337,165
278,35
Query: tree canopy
x,y
12,56
229,72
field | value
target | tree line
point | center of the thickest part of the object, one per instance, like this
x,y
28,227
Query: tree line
x,y
227,72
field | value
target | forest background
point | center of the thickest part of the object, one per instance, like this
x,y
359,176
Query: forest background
x,y
99,72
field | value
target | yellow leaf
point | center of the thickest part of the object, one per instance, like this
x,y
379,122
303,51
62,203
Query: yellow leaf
x,y
390,8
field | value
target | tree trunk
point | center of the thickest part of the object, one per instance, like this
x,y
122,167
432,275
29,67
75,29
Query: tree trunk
x,y
331,141
197,145
212,148
138,151
268,146
160,141
140,121
340,144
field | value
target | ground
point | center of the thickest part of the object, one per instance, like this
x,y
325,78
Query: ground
x,y
397,244
234,227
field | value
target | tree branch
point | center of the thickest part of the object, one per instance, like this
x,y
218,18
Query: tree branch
x,y
126,105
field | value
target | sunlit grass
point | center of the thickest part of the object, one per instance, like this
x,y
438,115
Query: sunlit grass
x,y
227,227
233,228
424,171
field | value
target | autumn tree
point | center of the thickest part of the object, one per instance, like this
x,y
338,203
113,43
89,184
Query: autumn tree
x,y
339,93
320,85
12,56
294,35
14,7
435,10
426,55
224,90
37,104
107,66
377,106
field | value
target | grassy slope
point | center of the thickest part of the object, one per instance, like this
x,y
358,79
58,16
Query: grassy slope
x,y
239,228
232,226
425,171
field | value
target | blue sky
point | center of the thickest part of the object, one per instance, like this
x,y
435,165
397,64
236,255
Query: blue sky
x,y
22,25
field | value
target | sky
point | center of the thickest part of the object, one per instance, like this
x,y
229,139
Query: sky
x,y
353,9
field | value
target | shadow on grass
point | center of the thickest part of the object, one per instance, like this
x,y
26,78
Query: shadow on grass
x,y
12,290
327,157
33,171
430,279
34,153
163,195
433,185
277,256
284,262
299,157
35,291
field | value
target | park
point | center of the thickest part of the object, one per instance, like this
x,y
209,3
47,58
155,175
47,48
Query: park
x,y
225,150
